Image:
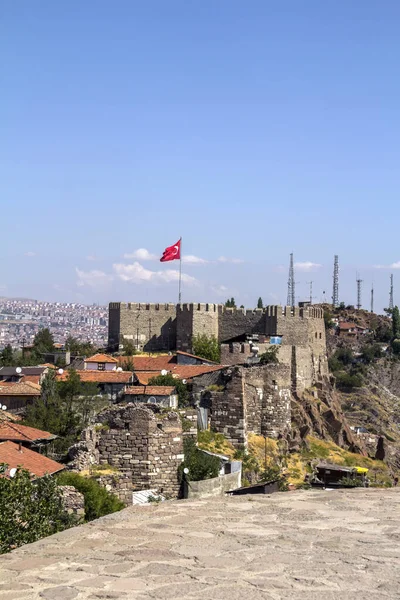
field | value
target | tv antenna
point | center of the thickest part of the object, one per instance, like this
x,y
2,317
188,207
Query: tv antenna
x,y
359,289
372,298
335,294
291,296
391,303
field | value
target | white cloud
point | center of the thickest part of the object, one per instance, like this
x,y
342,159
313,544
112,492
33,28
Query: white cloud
x,y
306,266
136,273
395,265
235,261
91,257
190,259
30,253
142,254
92,278
220,290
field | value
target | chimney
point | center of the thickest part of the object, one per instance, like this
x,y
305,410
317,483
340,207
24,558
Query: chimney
x,y
19,447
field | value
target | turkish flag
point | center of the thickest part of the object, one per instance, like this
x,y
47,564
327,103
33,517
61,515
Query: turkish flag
x,y
172,252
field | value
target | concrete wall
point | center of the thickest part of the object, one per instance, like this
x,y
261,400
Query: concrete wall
x,y
217,486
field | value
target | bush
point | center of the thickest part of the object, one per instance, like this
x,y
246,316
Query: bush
x,y
344,355
201,466
30,510
269,357
346,381
98,501
206,347
371,352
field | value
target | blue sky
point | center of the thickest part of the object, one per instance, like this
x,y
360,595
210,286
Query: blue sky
x,y
253,129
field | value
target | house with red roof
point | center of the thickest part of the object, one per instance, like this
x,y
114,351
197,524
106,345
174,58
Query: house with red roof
x,y
28,436
100,362
17,456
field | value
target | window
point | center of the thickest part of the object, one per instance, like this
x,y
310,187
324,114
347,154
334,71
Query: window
x,y
101,366
320,336
316,335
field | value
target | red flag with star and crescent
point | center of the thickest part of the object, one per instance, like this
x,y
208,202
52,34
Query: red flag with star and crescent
x,y
172,252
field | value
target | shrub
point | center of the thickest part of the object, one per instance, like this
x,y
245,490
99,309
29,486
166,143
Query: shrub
x,y
206,347
98,501
346,381
201,466
269,357
30,510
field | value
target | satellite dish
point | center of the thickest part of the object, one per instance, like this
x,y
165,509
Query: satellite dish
x,y
60,371
13,472
164,372
114,368
4,407
152,400
186,470
184,381
119,369
18,370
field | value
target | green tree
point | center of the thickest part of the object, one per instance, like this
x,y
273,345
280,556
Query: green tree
x,y
7,356
346,381
396,322
230,303
98,501
129,347
270,356
201,465
169,380
260,303
47,413
371,352
206,347
43,342
78,348
328,319
30,510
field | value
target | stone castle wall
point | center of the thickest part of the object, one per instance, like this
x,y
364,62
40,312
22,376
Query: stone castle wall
x,y
255,400
193,320
148,326
147,448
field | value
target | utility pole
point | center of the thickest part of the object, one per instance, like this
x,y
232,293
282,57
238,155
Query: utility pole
x,y
359,282
311,296
335,294
391,303
372,298
291,285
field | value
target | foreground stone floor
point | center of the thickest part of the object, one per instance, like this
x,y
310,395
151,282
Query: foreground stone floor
x,y
312,545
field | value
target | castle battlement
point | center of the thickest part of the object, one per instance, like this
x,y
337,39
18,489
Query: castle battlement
x,y
198,306
136,306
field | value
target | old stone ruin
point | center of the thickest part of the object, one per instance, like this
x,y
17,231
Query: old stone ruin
x,y
144,450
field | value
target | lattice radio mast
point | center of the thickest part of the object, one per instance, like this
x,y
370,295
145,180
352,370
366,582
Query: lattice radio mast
x,y
372,298
291,285
335,295
311,296
359,282
391,304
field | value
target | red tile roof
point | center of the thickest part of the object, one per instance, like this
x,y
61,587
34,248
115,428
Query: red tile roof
x,y
206,360
179,371
102,358
22,433
7,416
100,376
347,325
149,363
37,464
150,390
19,389
31,379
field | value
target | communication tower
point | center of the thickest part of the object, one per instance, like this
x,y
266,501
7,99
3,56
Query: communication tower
x,y
291,285
335,295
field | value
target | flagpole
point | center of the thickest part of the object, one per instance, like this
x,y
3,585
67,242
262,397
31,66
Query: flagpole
x,y
180,269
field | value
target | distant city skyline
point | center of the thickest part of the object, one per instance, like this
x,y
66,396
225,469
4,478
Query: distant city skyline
x,y
251,130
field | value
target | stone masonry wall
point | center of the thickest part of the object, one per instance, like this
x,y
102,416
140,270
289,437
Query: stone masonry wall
x,y
234,322
256,400
195,319
150,326
148,448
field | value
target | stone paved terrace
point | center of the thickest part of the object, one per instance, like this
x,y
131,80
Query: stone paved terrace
x,y
311,545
